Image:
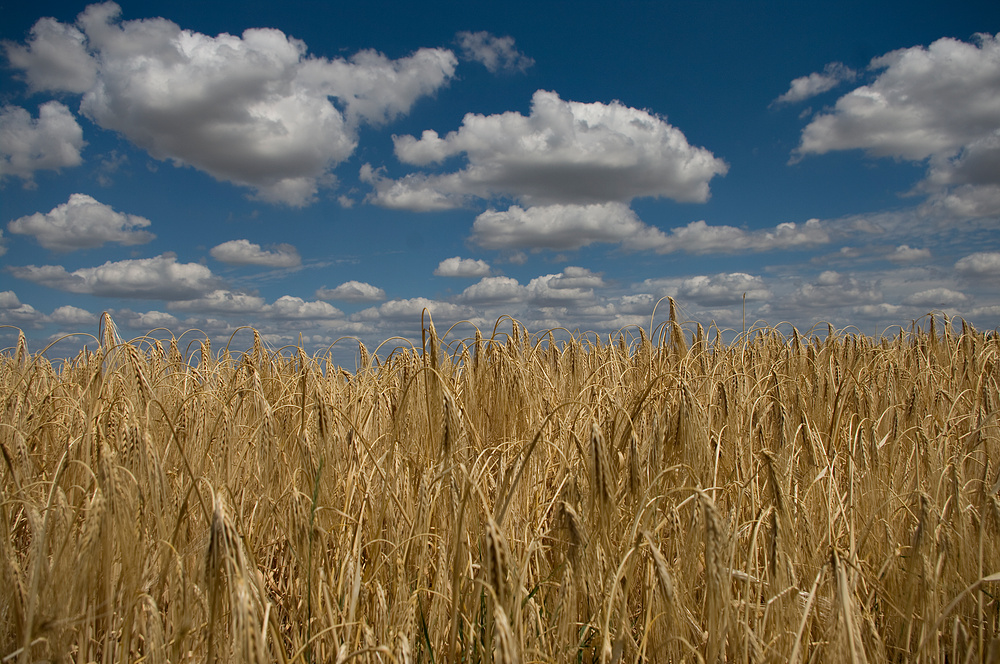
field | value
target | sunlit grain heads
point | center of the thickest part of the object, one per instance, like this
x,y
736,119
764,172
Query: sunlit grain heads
x,y
600,472
497,561
573,526
666,583
506,649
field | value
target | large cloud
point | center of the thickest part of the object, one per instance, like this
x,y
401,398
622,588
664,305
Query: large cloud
x,y
253,110
51,142
563,152
244,252
940,103
926,101
161,277
82,223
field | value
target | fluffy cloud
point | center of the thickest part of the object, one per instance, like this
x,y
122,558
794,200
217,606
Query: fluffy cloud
x,y
567,227
935,297
244,252
55,58
253,110
814,84
984,264
70,316
286,307
150,320
564,152
832,289
700,238
910,110
495,53
409,311
82,223
967,185
51,142
906,254
571,287
289,307
222,301
709,290
161,277
8,300
462,267
352,291
494,290
559,227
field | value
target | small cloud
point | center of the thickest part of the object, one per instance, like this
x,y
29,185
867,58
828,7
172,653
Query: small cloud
x,y
462,267
935,297
494,290
814,84
9,300
979,265
352,291
244,252
495,53
69,316
50,142
82,223
906,254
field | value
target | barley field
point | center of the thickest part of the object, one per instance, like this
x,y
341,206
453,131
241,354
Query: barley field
x,y
495,496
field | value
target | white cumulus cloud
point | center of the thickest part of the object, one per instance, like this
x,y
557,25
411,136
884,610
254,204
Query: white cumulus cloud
x,y
50,142
935,297
563,152
559,227
457,266
494,290
244,252
983,264
254,110
55,58
699,237
721,289
222,301
161,277
9,300
904,253
352,291
82,223
69,316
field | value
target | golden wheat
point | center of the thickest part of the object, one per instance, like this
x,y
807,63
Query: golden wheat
x,y
646,496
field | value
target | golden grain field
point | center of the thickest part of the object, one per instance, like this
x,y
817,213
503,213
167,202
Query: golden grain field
x,y
654,496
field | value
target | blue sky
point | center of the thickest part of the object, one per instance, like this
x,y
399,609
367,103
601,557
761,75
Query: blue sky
x,y
332,169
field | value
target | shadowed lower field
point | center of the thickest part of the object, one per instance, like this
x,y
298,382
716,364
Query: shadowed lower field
x,y
511,499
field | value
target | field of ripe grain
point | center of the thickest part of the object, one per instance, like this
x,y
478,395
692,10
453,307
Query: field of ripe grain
x,y
505,497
